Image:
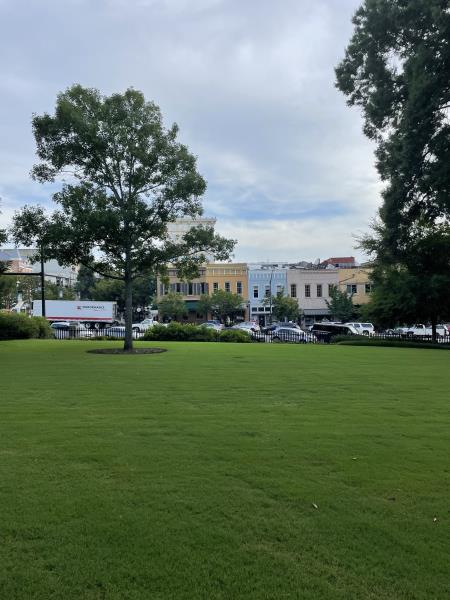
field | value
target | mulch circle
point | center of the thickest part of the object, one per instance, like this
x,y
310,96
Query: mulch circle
x,y
123,352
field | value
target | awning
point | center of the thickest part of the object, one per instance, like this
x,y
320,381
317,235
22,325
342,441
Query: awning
x,y
318,312
191,304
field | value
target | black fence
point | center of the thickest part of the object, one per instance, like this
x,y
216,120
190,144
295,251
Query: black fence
x,y
79,333
289,336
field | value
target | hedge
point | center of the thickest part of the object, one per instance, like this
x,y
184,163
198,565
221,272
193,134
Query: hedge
x,y
16,326
346,340
188,332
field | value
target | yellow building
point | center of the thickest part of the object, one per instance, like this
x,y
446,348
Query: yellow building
x,y
231,277
356,282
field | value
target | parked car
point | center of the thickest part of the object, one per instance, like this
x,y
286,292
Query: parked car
x,y
292,335
67,329
421,329
288,324
247,326
217,325
330,330
142,326
363,328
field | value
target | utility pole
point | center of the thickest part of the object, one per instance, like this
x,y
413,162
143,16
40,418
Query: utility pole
x,y
42,280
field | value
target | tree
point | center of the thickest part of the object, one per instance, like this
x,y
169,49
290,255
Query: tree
x,y
205,305
283,307
85,284
172,306
130,179
3,240
226,305
396,70
341,305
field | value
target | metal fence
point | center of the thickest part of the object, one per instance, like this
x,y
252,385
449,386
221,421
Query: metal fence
x,y
289,336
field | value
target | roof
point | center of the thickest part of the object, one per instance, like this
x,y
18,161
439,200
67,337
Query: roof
x,y
340,259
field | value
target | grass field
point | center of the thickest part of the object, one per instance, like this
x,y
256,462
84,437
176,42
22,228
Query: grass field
x,y
224,471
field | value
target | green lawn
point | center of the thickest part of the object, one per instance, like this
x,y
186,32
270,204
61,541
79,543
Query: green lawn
x,y
194,474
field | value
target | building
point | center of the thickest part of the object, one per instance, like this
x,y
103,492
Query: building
x,y
230,277
339,262
356,282
311,288
20,259
265,280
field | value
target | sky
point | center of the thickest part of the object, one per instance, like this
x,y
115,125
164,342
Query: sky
x,y
251,85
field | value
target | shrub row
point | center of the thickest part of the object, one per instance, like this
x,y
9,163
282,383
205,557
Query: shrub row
x,y
15,326
348,340
188,332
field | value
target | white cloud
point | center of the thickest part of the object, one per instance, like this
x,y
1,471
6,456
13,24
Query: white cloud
x,y
251,85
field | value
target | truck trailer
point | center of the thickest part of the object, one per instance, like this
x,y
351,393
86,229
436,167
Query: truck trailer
x,y
92,313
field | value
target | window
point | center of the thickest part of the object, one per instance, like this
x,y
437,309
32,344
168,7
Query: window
x,y
293,290
280,289
319,290
239,287
227,286
368,288
178,288
255,291
190,289
267,291
215,286
352,289
330,289
307,291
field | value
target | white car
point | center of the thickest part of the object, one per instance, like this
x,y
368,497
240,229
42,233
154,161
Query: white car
x,y
217,325
362,328
421,329
143,325
247,326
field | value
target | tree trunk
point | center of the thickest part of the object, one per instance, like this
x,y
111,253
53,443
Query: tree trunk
x,y
128,344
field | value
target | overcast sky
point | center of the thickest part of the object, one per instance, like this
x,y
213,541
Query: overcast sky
x,y
251,86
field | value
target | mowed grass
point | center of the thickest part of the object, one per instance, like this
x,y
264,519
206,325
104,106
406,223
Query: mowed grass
x,y
224,471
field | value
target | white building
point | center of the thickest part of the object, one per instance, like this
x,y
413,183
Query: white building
x,y
311,288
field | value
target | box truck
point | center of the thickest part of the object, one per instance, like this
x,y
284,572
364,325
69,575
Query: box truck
x,y
92,313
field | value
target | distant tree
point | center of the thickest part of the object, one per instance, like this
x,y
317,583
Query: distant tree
x,y
3,240
59,292
130,179
8,291
341,305
205,305
86,282
283,307
172,306
226,305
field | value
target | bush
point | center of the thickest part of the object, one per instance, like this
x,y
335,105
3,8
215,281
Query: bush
x,y
43,327
354,340
234,335
16,326
180,332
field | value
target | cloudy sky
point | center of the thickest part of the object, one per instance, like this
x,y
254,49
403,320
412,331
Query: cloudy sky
x,y
251,86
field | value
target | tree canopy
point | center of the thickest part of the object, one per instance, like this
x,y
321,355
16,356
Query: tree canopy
x,y
221,304
340,304
396,69
172,306
126,178
283,307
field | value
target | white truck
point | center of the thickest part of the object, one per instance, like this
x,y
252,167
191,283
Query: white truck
x,y
421,329
91,313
